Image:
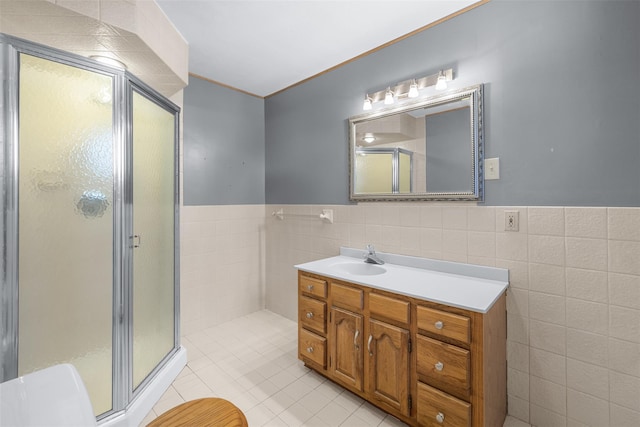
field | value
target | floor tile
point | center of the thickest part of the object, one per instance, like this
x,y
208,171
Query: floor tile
x,y
253,362
333,414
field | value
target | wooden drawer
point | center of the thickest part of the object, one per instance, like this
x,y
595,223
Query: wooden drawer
x,y
444,366
389,308
312,286
437,409
312,347
444,324
312,314
347,297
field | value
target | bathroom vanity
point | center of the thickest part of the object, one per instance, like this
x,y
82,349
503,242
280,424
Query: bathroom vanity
x,y
424,340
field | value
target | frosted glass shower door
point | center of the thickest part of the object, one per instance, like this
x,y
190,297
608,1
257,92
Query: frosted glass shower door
x,y
65,222
153,235
374,172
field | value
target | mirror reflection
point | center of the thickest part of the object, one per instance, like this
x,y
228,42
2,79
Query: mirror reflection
x,y
428,149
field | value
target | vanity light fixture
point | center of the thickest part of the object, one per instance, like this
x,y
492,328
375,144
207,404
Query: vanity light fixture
x,y
388,97
441,83
367,103
408,89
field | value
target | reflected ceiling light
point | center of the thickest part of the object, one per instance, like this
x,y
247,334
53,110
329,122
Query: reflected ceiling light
x,y
441,83
104,95
367,103
368,138
109,61
388,97
408,89
413,89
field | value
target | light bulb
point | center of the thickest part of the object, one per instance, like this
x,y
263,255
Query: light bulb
x,y
441,83
367,103
413,90
368,138
388,97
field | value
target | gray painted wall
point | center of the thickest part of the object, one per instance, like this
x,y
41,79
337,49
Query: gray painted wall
x,y
562,104
223,146
448,152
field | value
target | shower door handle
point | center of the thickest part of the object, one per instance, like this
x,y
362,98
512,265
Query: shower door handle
x,y
137,240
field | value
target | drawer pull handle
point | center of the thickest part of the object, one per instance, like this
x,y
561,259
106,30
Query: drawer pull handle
x,y
310,288
439,324
355,339
309,349
439,366
369,345
440,418
309,315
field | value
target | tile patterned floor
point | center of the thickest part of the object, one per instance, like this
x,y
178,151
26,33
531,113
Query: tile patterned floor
x,y
252,362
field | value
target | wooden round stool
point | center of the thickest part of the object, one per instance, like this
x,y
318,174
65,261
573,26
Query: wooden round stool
x,y
207,412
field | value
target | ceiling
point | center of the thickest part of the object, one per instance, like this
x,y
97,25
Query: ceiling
x,y
263,46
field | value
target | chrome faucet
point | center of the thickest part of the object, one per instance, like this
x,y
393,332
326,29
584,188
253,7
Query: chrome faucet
x,y
371,256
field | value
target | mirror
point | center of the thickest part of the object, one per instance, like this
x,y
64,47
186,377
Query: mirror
x,y
429,149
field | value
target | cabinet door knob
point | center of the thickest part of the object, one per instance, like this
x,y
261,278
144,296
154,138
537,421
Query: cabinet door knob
x,y
355,339
309,349
309,288
309,315
369,345
439,366
440,418
439,324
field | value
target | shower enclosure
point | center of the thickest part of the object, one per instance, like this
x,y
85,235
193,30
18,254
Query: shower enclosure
x,y
90,219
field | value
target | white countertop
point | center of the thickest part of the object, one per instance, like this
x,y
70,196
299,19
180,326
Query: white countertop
x,y
477,289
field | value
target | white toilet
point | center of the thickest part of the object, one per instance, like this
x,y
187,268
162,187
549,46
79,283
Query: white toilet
x,y
54,396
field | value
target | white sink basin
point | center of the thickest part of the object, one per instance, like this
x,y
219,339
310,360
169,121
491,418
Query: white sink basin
x,y
359,269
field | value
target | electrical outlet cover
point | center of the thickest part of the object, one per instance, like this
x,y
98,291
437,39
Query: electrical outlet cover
x,y
511,220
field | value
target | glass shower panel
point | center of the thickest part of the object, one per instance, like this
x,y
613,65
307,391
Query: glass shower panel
x,y
404,172
153,240
65,223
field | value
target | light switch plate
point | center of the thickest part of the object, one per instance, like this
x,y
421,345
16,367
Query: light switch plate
x,y
492,168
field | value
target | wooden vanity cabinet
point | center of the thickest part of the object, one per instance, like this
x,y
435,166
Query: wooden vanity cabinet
x,y
387,360
461,365
387,366
346,329
312,321
345,342
427,364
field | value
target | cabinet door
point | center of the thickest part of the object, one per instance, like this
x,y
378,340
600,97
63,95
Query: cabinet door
x,y
388,365
346,347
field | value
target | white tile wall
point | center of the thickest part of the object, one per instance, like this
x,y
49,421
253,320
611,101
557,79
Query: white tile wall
x,y
573,306
222,264
573,338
